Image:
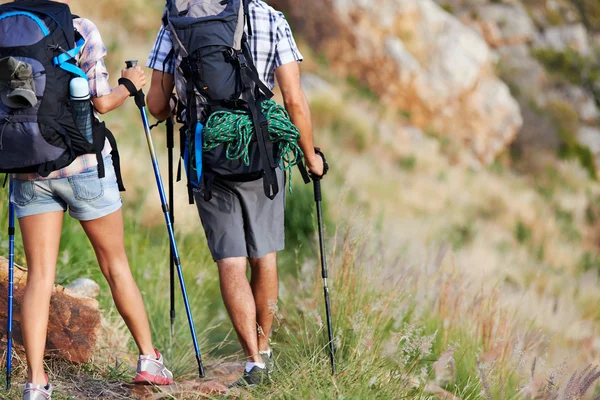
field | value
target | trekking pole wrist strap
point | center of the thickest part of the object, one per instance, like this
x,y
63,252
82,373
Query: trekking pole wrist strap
x,y
129,86
140,98
319,153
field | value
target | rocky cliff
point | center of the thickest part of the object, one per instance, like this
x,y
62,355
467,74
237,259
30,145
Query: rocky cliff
x,y
420,59
447,64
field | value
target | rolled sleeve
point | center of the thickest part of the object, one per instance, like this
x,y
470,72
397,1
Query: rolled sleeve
x,y
91,58
286,49
160,52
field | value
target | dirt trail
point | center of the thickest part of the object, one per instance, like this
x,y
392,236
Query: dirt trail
x,y
218,378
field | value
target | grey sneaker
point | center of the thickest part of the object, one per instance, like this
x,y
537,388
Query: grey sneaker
x,y
37,392
268,360
151,370
256,376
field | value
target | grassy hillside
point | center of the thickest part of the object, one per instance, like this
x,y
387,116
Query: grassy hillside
x,y
447,280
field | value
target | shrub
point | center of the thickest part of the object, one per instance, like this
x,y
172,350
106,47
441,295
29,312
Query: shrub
x,y
522,232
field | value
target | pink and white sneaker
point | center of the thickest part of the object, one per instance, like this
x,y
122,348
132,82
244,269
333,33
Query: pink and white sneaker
x,y
37,392
152,371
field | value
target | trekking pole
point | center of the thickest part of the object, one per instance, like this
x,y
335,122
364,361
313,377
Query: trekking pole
x,y
170,146
318,200
11,279
140,101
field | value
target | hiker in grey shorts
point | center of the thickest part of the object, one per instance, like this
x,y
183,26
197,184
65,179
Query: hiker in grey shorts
x,y
240,222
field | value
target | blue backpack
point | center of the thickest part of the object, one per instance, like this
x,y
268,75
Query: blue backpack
x,y
44,137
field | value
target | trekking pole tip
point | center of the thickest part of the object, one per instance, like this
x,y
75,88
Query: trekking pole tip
x,y
200,367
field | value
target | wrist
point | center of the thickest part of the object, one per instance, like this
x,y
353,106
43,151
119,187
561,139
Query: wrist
x,y
310,157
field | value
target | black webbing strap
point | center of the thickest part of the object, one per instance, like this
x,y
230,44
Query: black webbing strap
x,y
101,169
208,178
116,158
261,128
98,134
253,72
303,172
247,16
192,117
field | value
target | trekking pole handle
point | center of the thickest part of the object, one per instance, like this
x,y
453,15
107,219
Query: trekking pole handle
x,y
317,179
138,95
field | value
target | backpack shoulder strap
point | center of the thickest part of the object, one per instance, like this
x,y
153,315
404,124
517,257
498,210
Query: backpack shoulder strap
x,y
251,70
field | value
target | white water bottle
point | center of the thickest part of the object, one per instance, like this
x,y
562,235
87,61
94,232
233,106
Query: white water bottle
x,y
82,112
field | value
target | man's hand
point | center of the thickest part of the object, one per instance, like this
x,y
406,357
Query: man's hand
x,y
136,75
314,164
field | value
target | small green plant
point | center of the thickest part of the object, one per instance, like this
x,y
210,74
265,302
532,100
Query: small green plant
x,y
362,88
589,262
523,233
567,225
408,163
462,235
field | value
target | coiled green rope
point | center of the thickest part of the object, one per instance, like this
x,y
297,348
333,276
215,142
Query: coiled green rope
x,y
236,129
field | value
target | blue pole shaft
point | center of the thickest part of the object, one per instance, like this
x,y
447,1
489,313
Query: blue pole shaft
x,y
11,278
165,207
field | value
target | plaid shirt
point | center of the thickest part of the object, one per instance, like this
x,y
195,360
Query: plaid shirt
x,y
272,44
91,61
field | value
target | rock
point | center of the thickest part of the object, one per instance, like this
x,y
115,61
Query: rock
x,y
590,137
84,287
417,58
523,71
73,326
315,86
561,38
501,24
581,101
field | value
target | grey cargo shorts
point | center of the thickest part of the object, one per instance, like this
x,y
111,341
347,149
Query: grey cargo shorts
x,y
240,220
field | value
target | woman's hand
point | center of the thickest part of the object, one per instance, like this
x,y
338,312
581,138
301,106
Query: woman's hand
x,y
136,75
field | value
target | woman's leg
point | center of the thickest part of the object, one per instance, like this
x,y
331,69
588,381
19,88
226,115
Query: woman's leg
x,y
41,239
107,237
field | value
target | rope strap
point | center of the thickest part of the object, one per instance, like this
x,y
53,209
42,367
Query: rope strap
x,y
235,129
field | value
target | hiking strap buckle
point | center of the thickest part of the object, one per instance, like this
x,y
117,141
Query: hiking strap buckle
x,y
62,60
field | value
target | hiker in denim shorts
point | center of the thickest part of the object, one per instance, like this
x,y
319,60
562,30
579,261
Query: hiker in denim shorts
x,y
40,204
241,224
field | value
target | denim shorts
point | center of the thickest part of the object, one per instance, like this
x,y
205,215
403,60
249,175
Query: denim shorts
x,y
86,196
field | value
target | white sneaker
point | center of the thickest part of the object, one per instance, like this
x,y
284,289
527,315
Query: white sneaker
x,y
37,392
151,370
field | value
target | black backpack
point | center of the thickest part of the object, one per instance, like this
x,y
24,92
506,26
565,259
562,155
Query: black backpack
x,y
44,138
215,72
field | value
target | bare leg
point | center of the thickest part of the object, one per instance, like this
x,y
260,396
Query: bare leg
x,y
106,235
265,286
41,239
238,299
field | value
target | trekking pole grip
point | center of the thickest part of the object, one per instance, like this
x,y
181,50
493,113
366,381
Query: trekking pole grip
x,y
138,95
317,190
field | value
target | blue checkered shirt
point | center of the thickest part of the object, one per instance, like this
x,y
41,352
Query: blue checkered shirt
x,y
272,44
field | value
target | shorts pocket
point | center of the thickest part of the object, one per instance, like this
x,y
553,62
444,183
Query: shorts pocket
x,y
24,192
87,187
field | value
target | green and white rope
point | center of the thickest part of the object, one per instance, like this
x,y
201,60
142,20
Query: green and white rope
x,y
235,129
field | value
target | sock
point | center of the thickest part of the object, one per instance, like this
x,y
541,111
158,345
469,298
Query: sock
x,y
265,353
250,365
